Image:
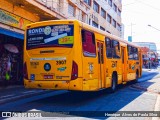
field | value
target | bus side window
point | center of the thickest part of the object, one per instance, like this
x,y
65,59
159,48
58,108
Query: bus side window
x,y
108,48
136,54
116,49
130,52
88,44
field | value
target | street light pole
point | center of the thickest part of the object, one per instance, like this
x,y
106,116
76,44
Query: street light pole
x,y
130,37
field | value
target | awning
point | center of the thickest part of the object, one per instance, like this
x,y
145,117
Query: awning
x,y
11,33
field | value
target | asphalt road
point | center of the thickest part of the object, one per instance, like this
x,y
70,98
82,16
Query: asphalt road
x,y
124,99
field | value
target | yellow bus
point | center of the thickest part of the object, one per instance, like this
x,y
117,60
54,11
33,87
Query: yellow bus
x,y
72,55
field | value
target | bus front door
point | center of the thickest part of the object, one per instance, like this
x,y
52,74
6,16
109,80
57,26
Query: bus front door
x,y
100,47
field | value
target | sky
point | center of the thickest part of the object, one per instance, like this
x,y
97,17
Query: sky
x,y
141,13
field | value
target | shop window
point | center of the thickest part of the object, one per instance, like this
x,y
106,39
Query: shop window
x,y
88,44
108,48
116,49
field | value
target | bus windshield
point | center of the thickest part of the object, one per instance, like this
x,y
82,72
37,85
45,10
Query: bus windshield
x,y
50,36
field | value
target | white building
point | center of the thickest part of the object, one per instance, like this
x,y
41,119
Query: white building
x,y
103,14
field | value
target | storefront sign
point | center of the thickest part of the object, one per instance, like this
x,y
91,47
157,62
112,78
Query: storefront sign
x,y
13,20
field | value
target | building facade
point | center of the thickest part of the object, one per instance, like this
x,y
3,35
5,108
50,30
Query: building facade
x,y
103,14
16,14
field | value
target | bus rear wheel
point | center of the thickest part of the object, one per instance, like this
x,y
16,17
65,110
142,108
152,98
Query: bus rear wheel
x,y
114,83
137,75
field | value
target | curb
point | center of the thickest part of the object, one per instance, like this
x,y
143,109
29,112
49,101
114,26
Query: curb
x,y
157,104
3,101
157,107
144,89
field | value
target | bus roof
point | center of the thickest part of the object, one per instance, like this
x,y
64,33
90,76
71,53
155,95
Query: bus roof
x,y
82,24
106,34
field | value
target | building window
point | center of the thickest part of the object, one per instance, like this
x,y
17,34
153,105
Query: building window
x,y
110,2
108,18
83,17
102,28
96,7
118,27
103,13
114,7
119,12
71,9
94,24
88,2
44,0
114,23
89,21
108,32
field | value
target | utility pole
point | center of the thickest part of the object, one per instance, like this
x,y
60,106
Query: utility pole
x,y
130,37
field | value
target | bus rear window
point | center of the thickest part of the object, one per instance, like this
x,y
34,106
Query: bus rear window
x,y
50,36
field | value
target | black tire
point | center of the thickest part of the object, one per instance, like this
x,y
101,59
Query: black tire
x,y
137,76
114,83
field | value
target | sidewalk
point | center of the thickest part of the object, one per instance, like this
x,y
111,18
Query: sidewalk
x,y
152,86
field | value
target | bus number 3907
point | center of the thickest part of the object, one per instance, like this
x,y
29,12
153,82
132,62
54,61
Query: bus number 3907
x,y
60,62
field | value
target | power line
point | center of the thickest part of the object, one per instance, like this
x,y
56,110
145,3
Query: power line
x,y
129,4
148,5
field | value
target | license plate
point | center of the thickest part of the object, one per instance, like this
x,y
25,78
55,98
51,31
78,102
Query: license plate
x,y
48,76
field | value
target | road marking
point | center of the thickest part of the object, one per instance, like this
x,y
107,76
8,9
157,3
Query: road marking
x,y
29,91
7,96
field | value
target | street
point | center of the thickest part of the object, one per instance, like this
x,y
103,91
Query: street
x,y
80,59
126,98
